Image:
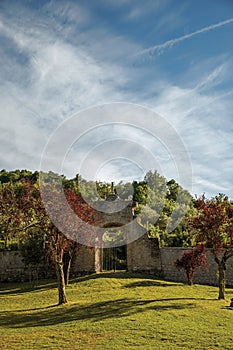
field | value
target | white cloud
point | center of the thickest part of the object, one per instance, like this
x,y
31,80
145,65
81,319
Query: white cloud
x,y
54,73
203,119
57,79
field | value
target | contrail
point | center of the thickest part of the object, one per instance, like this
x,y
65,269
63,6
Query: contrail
x,y
170,43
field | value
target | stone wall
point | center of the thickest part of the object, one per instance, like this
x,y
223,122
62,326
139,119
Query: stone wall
x,y
13,268
144,255
87,260
202,275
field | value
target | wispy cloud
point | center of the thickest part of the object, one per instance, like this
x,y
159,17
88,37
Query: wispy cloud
x,y
170,43
56,79
203,119
57,61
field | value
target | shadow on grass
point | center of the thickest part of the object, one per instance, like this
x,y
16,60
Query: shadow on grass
x,y
95,312
110,274
24,287
150,279
150,283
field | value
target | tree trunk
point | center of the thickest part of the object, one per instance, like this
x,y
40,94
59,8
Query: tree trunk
x,y
61,283
66,267
221,279
67,260
190,274
6,242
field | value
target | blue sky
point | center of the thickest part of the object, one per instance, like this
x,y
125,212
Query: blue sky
x,y
173,57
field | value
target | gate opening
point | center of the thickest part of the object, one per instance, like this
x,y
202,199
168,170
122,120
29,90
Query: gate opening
x,y
114,258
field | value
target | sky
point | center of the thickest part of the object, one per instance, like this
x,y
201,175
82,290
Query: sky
x,y
167,62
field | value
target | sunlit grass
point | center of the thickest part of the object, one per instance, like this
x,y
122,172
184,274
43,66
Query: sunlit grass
x,y
115,311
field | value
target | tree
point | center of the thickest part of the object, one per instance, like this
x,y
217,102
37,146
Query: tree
x,y
9,219
140,192
16,208
124,190
213,227
61,244
31,245
103,189
192,260
22,209
67,260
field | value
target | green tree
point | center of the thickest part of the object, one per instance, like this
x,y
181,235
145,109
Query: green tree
x,y
103,189
124,190
9,218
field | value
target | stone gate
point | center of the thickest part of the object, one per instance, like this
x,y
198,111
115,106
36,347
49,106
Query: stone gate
x,y
142,253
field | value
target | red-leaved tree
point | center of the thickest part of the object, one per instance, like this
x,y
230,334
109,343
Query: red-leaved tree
x,y
31,212
63,243
191,260
213,227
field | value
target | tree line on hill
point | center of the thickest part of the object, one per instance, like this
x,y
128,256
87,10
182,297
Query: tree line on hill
x,y
168,212
156,198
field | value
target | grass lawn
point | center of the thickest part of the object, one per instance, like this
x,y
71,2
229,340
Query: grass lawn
x,y
115,311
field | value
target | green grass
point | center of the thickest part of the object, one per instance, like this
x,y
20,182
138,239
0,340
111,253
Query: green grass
x,y
115,311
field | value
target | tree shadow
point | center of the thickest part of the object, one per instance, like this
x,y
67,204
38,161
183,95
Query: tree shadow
x,y
151,283
109,274
226,308
126,275
24,287
229,291
95,312
8,288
